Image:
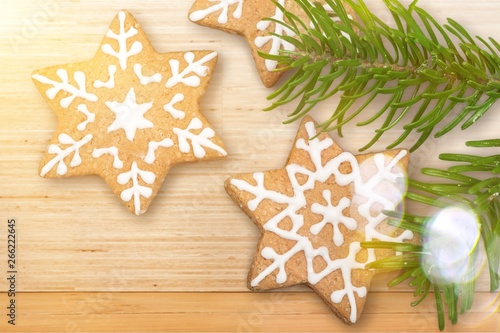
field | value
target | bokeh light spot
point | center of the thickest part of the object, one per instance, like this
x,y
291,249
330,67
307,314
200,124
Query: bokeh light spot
x,y
452,248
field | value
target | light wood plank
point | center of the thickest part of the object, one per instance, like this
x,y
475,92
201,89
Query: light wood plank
x,y
74,232
234,312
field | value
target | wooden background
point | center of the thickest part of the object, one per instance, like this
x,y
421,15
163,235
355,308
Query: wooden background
x,y
85,264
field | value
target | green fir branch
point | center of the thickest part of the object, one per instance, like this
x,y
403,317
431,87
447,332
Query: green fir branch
x,y
416,67
453,187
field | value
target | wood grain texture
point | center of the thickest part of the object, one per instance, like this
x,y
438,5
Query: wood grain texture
x,y
86,264
232,312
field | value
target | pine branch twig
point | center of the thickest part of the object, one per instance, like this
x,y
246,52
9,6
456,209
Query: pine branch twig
x,y
423,70
454,188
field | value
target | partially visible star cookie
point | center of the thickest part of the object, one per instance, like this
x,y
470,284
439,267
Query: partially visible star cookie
x,y
246,18
314,212
129,114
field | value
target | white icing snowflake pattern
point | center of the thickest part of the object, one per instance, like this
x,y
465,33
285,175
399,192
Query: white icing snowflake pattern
x,y
223,7
90,117
111,81
141,126
61,154
145,80
333,215
170,108
196,67
276,42
136,191
367,193
129,115
153,146
113,151
198,141
64,85
122,37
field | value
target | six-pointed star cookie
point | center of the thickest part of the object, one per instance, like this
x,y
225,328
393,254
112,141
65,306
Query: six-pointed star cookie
x,y
246,18
314,212
129,114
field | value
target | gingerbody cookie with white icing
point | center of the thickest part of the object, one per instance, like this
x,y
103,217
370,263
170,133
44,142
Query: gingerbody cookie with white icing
x,y
246,18
315,211
129,114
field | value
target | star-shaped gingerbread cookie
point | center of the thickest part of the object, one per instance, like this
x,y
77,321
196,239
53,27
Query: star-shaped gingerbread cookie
x,y
248,18
314,212
129,114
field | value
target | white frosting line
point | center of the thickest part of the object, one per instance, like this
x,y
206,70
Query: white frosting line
x,y
177,114
367,194
276,41
153,146
113,151
198,141
195,67
145,80
65,86
129,115
136,191
223,7
333,215
111,81
90,117
61,154
122,54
